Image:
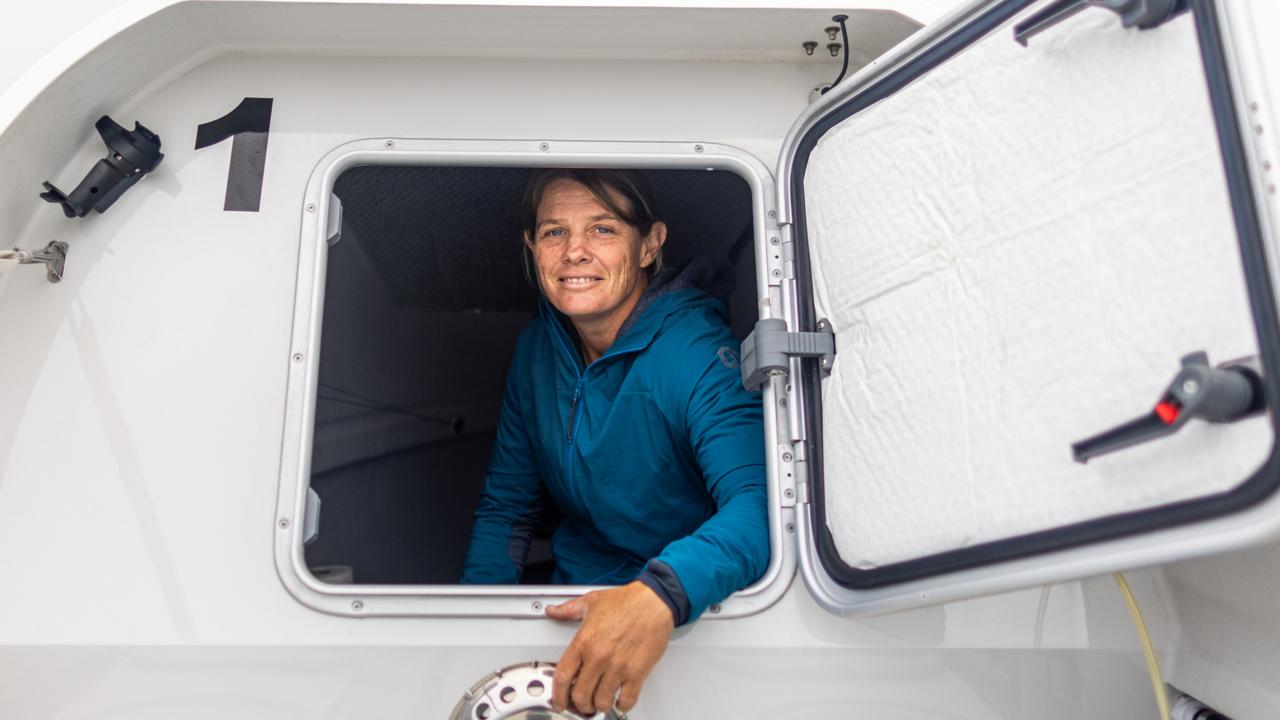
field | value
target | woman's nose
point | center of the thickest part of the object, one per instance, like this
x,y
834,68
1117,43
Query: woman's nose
x,y
577,249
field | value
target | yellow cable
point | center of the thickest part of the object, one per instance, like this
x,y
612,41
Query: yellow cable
x,y
1157,683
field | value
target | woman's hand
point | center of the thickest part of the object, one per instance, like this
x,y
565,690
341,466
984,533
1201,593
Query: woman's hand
x,y
624,632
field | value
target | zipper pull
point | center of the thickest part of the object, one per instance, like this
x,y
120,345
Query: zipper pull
x,y
573,410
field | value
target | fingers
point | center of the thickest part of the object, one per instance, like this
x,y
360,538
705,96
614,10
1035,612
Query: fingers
x,y
575,609
613,651
607,690
630,695
584,686
566,670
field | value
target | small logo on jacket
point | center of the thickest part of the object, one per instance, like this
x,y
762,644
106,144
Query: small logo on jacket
x,y
728,357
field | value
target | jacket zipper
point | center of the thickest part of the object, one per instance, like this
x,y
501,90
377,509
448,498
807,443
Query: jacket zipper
x,y
573,427
573,408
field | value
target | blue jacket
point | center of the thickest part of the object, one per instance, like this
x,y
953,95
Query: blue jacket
x,y
654,454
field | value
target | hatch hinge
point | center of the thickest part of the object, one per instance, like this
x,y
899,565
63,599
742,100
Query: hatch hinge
x,y
802,484
793,474
787,474
770,345
774,261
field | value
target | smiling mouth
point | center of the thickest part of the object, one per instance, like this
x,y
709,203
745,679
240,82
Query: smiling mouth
x,y
578,282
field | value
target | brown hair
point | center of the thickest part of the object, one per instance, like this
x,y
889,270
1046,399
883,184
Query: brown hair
x,y
637,208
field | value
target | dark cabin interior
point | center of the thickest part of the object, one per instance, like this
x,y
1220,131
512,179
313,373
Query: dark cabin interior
x,y
425,296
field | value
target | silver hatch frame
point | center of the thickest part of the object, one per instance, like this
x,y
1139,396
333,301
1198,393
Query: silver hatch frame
x,y
507,601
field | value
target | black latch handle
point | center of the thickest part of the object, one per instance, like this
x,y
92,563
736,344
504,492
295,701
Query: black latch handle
x,y
1144,14
131,154
1215,394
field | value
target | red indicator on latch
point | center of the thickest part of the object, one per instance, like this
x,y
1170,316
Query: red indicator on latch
x,y
1167,412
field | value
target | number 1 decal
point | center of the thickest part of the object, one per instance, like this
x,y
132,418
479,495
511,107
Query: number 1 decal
x,y
249,124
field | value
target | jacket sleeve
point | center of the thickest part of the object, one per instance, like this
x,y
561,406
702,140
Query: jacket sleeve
x,y
510,503
730,550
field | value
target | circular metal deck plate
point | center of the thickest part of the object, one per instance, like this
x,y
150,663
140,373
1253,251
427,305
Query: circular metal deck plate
x,y
519,692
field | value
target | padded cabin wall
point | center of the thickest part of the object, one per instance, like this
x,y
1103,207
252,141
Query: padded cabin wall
x,y
155,371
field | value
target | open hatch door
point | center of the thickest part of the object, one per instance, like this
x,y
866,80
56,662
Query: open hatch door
x,y
1036,237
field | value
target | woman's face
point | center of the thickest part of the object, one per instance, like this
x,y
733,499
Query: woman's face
x,y
590,264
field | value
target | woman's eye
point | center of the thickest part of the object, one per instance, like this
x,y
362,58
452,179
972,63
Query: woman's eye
x,y
604,230
553,232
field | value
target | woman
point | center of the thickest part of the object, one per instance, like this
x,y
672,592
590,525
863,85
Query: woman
x,y
624,405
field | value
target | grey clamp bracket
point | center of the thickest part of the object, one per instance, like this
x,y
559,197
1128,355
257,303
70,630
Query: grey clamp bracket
x,y
770,346
53,257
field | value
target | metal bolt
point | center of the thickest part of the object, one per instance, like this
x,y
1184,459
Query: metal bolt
x,y
544,146
776,273
118,157
715,609
788,493
284,523
824,362
832,32
809,47
786,457
788,387
773,213
311,207
297,357
389,144
774,241
697,148
357,605
1190,386
537,606
782,402
791,527
834,49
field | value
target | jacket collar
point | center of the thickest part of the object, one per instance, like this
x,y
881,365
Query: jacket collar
x,y
672,290
639,330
